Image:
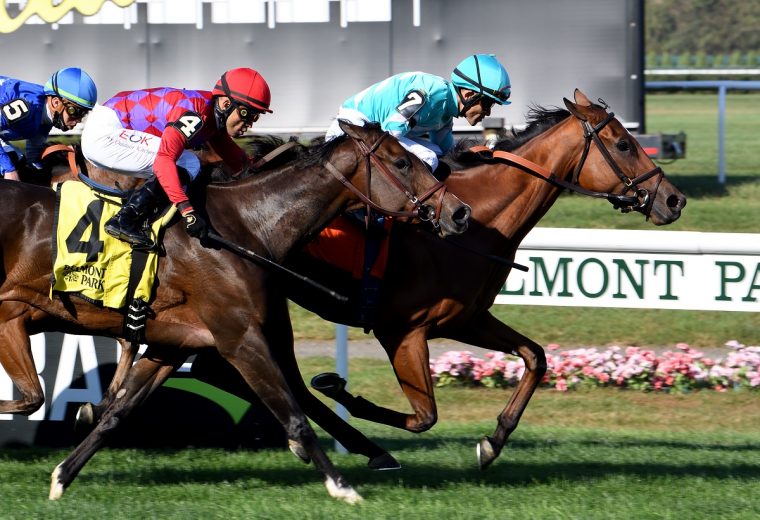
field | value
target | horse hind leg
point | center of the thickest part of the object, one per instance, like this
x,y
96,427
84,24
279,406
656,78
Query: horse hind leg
x,y
89,414
16,358
147,375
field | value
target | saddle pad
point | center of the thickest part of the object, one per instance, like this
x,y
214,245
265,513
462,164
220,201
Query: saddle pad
x,y
341,244
89,262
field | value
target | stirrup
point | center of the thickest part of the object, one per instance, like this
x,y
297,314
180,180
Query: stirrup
x,y
137,239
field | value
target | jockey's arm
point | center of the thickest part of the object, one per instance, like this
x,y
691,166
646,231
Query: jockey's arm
x,y
34,148
7,169
165,166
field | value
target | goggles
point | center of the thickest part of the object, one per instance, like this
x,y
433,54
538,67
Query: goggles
x,y
248,114
74,111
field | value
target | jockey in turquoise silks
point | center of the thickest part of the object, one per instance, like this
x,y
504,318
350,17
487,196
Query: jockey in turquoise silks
x,y
419,108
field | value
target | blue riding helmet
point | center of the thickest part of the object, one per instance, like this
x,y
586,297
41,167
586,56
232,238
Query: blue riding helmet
x,y
484,74
73,84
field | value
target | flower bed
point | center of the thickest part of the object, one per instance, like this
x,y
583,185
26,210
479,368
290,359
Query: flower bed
x,y
636,368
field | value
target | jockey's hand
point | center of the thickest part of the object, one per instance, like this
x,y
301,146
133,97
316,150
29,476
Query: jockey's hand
x,y
195,225
11,176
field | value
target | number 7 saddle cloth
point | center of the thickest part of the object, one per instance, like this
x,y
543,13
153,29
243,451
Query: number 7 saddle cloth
x,y
89,262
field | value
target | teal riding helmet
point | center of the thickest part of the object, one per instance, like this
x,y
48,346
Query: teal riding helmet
x,y
73,84
484,74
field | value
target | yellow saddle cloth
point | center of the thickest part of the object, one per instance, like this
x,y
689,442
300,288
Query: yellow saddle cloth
x,y
89,262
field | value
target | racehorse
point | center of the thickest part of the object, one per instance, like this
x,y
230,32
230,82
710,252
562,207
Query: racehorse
x,y
208,297
433,289
439,289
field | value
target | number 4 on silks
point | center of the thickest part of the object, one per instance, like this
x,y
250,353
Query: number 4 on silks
x,y
189,124
91,219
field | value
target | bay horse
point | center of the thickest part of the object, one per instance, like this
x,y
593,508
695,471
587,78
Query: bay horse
x,y
432,289
435,288
209,297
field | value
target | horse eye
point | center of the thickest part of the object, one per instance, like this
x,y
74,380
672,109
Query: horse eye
x,y
401,164
623,146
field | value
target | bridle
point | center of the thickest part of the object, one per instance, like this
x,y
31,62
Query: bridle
x,y
643,197
641,200
424,212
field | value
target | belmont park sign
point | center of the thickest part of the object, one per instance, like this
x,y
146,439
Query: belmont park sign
x,y
637,269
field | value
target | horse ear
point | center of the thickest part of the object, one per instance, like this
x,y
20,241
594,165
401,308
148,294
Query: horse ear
x,y
350,129
581,98
574,109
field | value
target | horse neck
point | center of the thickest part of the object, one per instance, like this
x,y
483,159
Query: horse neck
x,y
515,201
276,210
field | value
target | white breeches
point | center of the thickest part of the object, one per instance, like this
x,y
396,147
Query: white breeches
x,y
107,144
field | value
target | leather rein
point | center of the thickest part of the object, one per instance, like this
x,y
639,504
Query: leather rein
x,y
424,212
641,200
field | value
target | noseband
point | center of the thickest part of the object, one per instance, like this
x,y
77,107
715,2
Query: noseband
x,y
422,211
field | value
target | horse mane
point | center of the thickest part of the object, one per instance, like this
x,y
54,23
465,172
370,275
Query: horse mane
x,y
539,120
316,152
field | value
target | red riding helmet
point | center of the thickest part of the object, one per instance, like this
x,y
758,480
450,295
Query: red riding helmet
x,y
245,86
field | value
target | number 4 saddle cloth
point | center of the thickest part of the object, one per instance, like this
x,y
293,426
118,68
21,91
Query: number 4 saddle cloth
x,y
89,262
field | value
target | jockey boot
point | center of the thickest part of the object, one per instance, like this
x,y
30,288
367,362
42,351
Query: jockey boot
x,y
127,224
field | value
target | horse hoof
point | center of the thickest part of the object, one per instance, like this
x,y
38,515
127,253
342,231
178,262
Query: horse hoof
x,y
486,452
56,486
329,383
342,491
85,416
384,462
299,451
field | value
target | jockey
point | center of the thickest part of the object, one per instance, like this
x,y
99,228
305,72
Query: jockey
x,y
29,111
147,132
419,108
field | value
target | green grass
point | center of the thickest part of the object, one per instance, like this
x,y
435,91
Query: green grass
x,y
597,454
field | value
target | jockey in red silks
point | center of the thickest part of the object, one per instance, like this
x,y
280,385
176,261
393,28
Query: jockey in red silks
x,y
149,132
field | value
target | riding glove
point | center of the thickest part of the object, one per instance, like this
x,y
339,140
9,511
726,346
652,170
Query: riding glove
x,y
195,225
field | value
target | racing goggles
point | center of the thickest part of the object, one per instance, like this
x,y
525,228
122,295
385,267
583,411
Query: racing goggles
x,y
75,111
248,114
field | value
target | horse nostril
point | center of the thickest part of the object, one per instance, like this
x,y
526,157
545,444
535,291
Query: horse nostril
x,y
676,202
462,215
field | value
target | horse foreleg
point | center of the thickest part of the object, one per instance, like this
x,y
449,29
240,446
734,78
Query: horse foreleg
x,y
16,358
410,359
487,332
351,438
146,375
89,414
255,363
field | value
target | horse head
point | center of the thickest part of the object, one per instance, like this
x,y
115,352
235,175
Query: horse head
x,y
400,175
619,165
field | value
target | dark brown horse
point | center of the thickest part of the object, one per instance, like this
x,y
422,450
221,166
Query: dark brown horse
x,y
208,297
432,289
435,289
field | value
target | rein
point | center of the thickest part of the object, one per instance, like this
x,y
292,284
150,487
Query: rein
x,y
641,200
422,211
266,262
70,154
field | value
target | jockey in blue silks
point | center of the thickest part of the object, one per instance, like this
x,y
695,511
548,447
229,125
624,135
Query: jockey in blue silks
x,y
419,108
29,111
